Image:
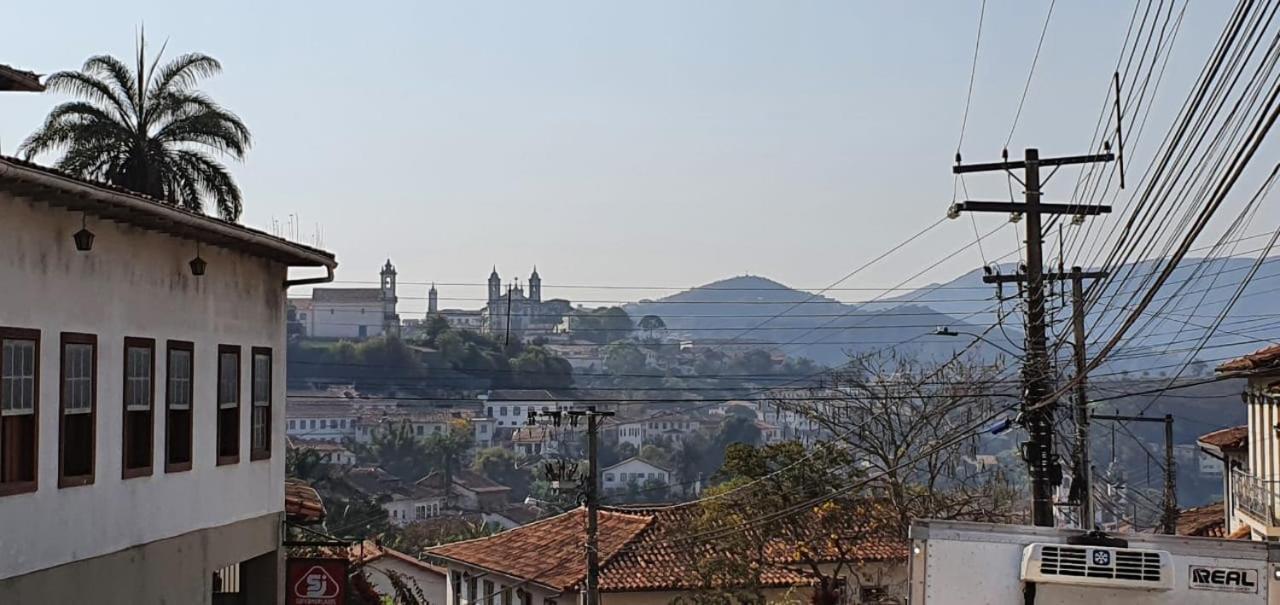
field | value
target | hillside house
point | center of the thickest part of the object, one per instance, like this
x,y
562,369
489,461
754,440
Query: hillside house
x,y
470,491
405,502
142,383
635,470
1254,485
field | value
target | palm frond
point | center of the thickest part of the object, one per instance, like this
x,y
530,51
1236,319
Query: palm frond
x,y
213,180
90,88
182,73
218,130
118,74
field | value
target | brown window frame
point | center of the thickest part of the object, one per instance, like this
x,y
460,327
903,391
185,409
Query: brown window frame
x,y
230,458
126,472
77,338
261,453
170,466
9,488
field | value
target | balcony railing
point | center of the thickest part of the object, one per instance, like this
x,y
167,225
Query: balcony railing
x,y
1256,497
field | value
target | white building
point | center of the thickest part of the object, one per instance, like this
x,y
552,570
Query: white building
x,y
329,421
617,478
142,382
404,501
330,452
379,562
354,313
511,407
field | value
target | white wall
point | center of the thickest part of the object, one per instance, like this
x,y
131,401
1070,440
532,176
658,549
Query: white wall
x,y
324,429
135,283
431,583
612,478
343,320
404,512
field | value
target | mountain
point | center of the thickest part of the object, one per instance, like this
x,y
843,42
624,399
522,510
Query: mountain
x,y
1197,291
756,312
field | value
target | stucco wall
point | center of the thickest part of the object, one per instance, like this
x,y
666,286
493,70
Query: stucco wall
x,y
343,320
135,283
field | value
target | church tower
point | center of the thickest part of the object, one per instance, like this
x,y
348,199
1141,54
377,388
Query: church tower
x,y
495,286
390,320
535,286
433,305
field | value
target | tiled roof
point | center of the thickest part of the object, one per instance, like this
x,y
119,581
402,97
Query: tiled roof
x,y
346,295
1262,359
548,552
521,395
522,514
638,459
657,554
370,551
1234,438
1208,521
467,479
302,504
110,202
18,80
374,482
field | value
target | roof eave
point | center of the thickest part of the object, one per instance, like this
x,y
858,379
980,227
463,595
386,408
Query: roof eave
x,y
84,196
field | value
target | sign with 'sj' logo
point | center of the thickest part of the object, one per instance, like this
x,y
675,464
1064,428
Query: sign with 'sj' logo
x,y
316,582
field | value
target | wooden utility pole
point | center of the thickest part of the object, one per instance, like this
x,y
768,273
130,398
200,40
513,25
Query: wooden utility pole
x,y
1037,451
591,491
1169,516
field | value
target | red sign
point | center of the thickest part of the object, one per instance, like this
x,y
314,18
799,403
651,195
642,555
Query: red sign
x,y
316,582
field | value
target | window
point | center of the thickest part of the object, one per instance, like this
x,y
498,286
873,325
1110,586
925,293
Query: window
x,y
524,597
139,393
436,429
502,411
19,409
342,423
229,404
420,511
487,596
292,424
260,414
484,428
506,596
302,316
178,396
78,396
608,477
313,425
471,589
333,423
421,430
456,582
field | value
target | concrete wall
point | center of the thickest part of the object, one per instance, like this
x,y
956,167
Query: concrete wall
x,y
177,571
135,283
431,583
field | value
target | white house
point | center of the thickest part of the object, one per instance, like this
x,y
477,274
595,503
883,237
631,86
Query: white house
x,y
617,478
330,452
324,420
404,501
380,562
355,313
511,407
142,383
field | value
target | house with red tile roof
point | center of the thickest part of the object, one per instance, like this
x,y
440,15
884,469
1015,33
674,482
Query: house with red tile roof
x,y
647,555
1230,447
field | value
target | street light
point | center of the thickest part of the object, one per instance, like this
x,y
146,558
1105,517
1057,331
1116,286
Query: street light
x,y
947,331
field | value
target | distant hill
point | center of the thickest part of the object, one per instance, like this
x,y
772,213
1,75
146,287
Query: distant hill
x,y
752,311
756,311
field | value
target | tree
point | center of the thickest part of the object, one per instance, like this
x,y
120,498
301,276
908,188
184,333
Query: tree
x,y
146,128
602,325
538,368
823,529
447,449
912,424
651,324
305,464
396,450
502,465
623,358
737,429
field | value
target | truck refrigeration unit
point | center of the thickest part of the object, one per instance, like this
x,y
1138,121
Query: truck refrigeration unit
x,y
955,562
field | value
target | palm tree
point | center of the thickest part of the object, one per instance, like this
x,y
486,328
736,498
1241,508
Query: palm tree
x,y
146,129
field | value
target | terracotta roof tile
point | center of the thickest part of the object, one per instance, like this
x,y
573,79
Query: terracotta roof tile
x,y
642,549
1208,521
1262,359
548,552
302,504
1234,438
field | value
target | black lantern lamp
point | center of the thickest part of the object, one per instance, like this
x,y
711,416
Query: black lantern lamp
x,y
197,264
83,237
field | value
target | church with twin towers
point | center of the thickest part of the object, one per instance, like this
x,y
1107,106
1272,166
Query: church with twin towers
x,y
510,309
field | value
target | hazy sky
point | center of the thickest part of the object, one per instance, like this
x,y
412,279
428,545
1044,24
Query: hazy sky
x,y
646,143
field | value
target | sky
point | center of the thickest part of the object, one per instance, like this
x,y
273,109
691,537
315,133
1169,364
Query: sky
x,y
660,144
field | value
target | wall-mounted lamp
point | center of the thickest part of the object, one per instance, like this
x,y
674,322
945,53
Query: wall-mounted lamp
x,y
197,264
83,237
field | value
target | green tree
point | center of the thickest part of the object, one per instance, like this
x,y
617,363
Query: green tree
x,y
396,450
602,325
305,464
538,368
146,128
448,447
622,358
502,465
737,429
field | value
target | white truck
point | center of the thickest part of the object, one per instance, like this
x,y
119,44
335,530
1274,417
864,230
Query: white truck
x,y
954,562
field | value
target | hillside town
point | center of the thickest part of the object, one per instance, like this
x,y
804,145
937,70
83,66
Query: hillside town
x,y
1056,389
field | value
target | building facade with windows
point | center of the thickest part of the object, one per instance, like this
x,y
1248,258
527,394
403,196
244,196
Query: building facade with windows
x,y
638,471
142,382
353,313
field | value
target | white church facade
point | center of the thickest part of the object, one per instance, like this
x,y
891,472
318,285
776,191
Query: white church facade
x,y
350,313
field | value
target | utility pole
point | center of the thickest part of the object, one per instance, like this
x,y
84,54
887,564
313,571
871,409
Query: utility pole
x,y
1169,516
591,489
1084,468
1045,471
